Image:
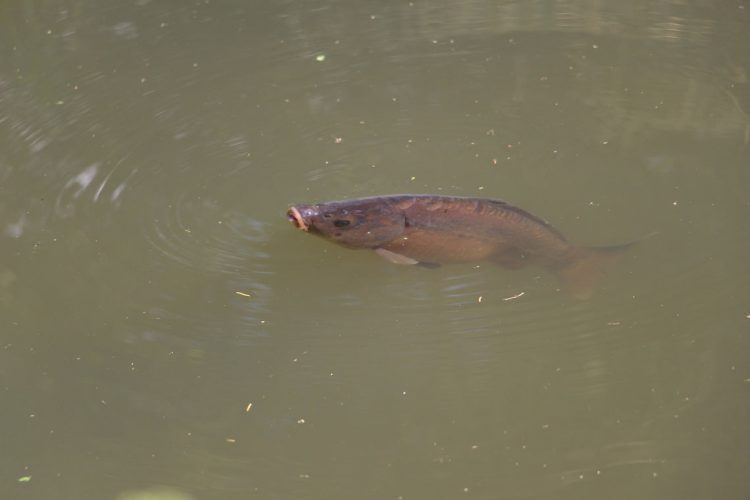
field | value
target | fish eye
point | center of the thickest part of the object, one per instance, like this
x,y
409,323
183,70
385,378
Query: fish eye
x,y
327,216
341,223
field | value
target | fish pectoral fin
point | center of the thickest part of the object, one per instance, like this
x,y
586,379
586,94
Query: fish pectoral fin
x,y
395,258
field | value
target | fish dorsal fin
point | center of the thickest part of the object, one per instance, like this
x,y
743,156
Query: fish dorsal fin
x,y
395,258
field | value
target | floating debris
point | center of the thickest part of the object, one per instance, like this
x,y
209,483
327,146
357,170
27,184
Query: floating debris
x,y
515,296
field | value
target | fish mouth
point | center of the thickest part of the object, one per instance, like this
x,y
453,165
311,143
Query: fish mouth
x,y
295,217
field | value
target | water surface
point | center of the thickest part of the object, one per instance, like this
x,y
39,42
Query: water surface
x,y
165,330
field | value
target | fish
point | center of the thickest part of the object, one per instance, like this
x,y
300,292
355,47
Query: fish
x,y
431,230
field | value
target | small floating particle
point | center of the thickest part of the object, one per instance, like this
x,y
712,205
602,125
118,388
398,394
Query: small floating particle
x,y
243,294
301,421
230,440
613,323
338,140
515,296
479,299
24,479
320,57
248,407
413,178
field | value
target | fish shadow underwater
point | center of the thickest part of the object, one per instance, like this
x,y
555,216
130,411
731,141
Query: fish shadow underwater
x,y
431,230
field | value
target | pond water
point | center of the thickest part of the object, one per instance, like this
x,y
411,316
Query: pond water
x,y
166,333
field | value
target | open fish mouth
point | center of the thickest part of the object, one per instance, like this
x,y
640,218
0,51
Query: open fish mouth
x,y
295,217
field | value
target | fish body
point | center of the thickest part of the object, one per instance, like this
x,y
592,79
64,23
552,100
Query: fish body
x,y
432,230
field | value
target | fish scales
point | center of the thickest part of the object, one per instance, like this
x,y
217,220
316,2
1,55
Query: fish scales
x,y
485,222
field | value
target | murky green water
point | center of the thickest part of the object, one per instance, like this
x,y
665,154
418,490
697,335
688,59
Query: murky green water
x,y
163,325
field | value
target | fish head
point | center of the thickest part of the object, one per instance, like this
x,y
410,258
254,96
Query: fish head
x,y
365,223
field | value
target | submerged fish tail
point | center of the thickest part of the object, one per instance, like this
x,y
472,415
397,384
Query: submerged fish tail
x,y
581,274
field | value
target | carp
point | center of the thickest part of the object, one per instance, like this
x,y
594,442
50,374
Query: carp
x,y
430,230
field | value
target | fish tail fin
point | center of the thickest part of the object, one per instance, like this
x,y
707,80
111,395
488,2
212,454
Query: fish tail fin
x,y
583,272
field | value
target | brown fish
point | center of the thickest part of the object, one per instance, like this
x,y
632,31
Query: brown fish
x,y
430,230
